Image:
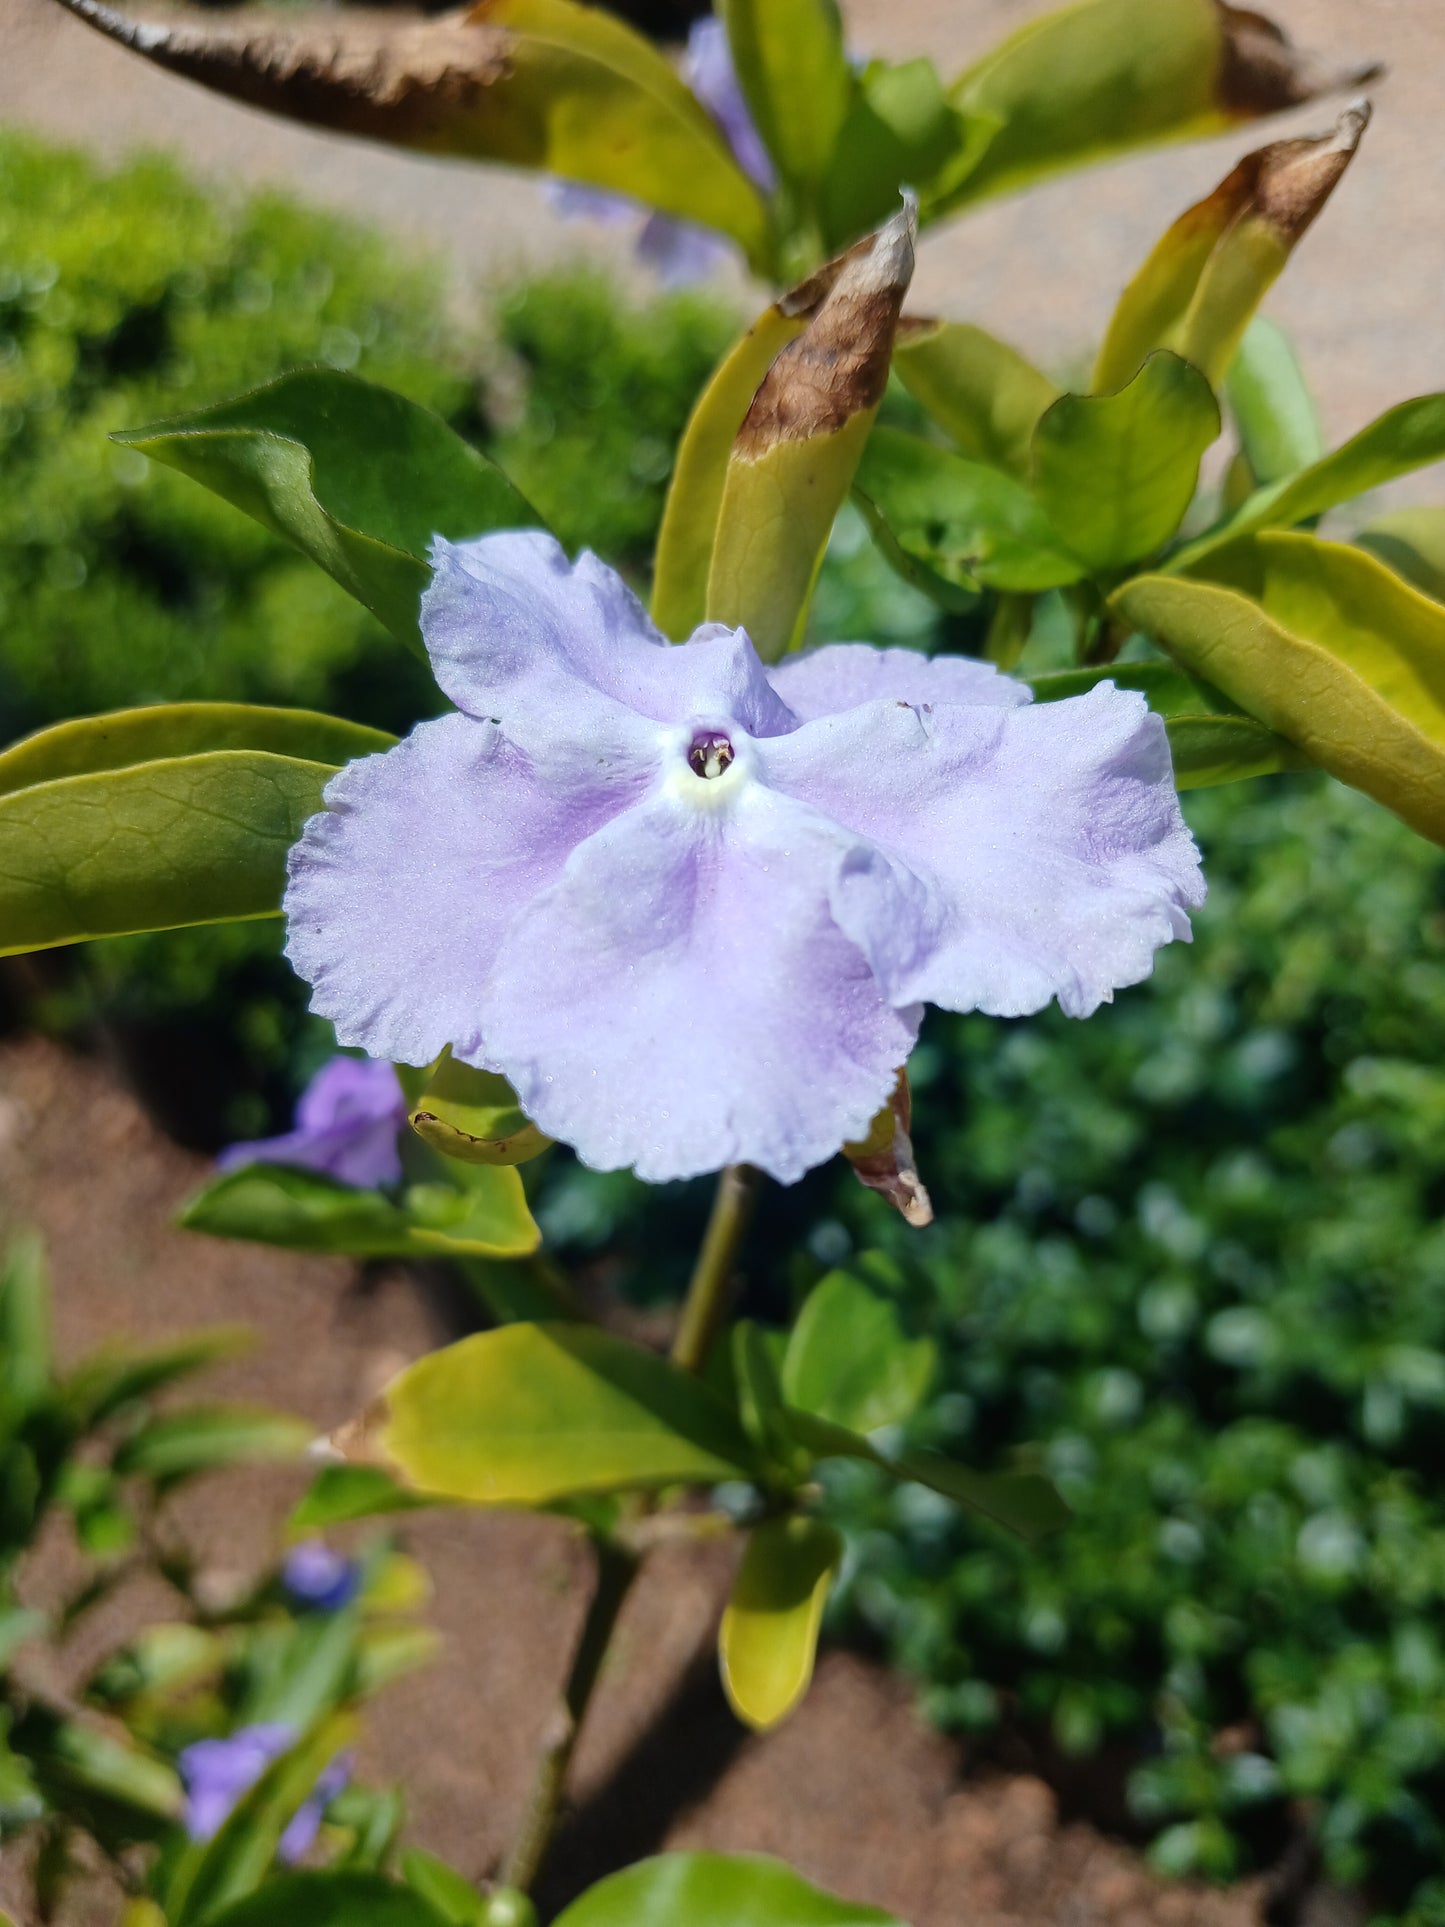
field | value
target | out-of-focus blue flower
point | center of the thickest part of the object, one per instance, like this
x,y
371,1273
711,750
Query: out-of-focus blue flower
x,y
682,252
693,908
346,1126
315,1575
219,1773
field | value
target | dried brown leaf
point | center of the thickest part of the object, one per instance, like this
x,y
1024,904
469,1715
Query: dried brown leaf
x,y
1263,72
884,1160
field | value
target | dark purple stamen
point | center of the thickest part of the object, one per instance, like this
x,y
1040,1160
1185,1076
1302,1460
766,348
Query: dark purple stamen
x,y
710,755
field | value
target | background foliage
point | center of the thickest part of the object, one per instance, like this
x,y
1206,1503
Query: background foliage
x,y
1189,1251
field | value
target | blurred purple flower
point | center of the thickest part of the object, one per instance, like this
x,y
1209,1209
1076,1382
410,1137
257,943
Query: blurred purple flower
x,y
314,1575
346,1125
682,252
219,1773
693,908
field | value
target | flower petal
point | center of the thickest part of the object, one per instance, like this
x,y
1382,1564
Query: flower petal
x,y
681,998
1047,844
843,674
563,654
403,888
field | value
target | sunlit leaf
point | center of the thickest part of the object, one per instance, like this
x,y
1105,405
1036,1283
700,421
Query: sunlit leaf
x,y
332,1900
849,1359
984,395
302,1210
356,477
1279,426
1326,646
1094,79
902,128
795,78
1406,437
769,1634
453,1896
548,84
342,1492
715,1890
1115,473
1199,288
964,519
474,1116
185,840
794,456
531,1413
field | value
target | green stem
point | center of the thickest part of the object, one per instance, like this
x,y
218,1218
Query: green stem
x,y
710,1291
616,1570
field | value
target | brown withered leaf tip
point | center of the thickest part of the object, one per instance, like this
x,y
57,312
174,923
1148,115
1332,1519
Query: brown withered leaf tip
x,y
838,367
1263,72
401,80
884,1160
357,1442
1287,183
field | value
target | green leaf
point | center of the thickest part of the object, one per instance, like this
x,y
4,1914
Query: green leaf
x,y
1324,645
794,457
1115,473
982,393
1094,79
25,1355
902,129
453,1896
184,840
1412,543
199,1439
699,472
715,1890
966,520
356,477
342,1492
1406,437
73,1759
1279,426
474,1116
302,1210
314,1670
110,1379
215,1873
769,1635
1210,740
1198,289
126,737
756,1358
849,1360
332,1900
532,1413
795,77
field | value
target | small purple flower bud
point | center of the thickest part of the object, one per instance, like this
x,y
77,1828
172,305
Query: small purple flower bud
x,y
346,1125
218,1774
305,1823
315,1575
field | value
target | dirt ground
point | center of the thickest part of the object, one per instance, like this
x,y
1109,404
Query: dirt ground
x,y
853,1790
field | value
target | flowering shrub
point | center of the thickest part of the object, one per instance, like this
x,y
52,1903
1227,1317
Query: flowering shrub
x,y
678,903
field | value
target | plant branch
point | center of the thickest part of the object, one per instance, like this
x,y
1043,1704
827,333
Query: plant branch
x,y
710,1290
616,1569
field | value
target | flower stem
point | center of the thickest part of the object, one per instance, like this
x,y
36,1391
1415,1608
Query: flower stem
x,y
616,1569
710,1290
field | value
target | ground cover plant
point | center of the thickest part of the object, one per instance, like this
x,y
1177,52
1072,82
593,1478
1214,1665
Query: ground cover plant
x,y
680,907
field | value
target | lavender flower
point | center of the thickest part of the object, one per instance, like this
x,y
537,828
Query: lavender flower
x,y
316,1576
693,908
681,252
219,1773
346,1125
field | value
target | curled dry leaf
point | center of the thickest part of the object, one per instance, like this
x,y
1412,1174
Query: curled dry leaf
x,y
884,1160
1263,72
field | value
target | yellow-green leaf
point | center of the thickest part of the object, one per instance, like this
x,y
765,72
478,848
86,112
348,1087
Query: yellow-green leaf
x,y
1115,473
1199,288
794,456
529,1414
474,1116
850,1361
769,1635
982,393
1094,79
548,84
902,127
1325,646
795,78
183,840
1279,426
